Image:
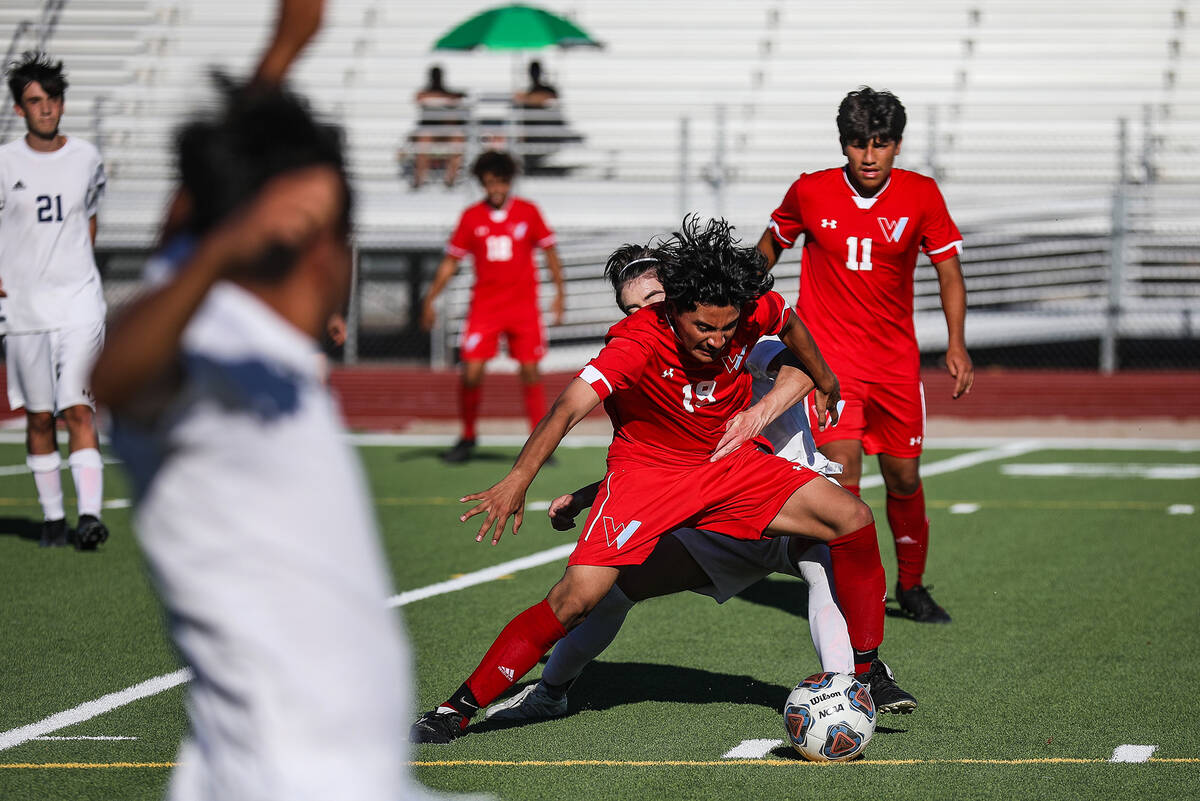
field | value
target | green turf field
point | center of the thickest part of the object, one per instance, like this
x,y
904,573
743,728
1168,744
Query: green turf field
x,y
1076,630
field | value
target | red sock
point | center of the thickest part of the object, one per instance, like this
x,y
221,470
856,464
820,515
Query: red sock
x,y
854,488
535,402
860,584
468,405
524,641
910,530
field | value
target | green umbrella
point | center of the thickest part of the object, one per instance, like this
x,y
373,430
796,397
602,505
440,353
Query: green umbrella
x,y
515,27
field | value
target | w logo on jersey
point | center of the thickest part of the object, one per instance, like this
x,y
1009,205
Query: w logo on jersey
x,y
734,360
619,532
892,229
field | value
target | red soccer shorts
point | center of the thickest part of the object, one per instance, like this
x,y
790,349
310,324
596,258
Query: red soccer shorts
x,y
738,495
522,329
886,418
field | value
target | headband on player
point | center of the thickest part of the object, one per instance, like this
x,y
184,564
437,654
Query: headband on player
x,y
639,261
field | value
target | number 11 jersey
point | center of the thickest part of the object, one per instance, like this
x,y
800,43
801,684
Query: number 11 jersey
x,y
856,274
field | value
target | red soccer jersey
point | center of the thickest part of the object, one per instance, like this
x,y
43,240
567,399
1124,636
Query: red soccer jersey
x,y
856,274
501,241
667,408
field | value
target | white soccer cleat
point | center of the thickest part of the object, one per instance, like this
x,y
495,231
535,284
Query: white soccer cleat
x,y
532,703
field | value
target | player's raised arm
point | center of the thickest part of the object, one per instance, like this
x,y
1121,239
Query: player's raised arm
x,y
445,271
297,22
800,342
506,498
953,290
144,341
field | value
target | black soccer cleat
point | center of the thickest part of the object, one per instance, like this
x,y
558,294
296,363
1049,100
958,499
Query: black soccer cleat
x,y
89,533
440,726
461,452
887,695
917,604
54,534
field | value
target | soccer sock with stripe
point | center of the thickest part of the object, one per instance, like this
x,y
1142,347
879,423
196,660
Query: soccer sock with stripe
x,y
87,470
46,478
859,580
853,488
910,531
535,402
587,640
469,400
524,641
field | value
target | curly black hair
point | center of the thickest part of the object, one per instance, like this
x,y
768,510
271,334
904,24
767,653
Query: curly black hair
x,y
865,115
632,261
497,162
35,66
706,265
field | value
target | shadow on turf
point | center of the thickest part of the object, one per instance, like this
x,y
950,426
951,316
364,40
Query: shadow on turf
x,y
605,685
22,527
787,596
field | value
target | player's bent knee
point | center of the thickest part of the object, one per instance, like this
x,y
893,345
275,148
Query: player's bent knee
x,y
857,515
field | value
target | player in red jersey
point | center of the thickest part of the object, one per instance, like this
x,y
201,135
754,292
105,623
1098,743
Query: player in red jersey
x,y
863,225
500,233
673,380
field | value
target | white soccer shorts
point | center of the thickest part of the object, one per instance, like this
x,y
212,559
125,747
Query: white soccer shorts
x,y
48,371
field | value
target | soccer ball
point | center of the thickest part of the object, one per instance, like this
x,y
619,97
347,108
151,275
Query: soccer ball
x,y
829,717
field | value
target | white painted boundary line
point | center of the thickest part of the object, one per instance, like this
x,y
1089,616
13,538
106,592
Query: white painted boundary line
x,y
91,709
1133,753
751,749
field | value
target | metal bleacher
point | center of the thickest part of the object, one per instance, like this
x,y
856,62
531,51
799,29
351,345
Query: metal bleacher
x,y
1014,105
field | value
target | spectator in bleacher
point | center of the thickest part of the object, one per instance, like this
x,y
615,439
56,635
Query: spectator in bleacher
x,y
50,188
863,225
500,233
539,94
441,122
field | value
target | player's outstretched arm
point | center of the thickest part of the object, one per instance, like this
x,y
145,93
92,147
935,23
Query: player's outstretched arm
x,y
953,290
445,271
565,508
298,20
791,385
506,498
143,344
800,342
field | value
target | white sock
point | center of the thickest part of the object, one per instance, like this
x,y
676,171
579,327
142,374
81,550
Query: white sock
x,y
588,640
830,636
45,467
87,469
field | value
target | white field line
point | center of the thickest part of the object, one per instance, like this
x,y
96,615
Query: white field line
x,y
1133,753
91,709
751,749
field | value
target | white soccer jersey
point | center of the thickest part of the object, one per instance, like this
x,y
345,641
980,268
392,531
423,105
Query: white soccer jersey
x,y
46,261
789,434
255,520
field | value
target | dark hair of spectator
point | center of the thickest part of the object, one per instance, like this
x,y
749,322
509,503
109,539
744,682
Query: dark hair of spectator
x,y
259,134
629,262
866,115
496,162
36,67
435,80
708,266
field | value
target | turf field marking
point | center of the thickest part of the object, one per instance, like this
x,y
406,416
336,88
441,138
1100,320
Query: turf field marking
x,y
1167,472
118,503
48,765
91,709
964,508
1181,509
483,576
965,460
1133,753
751,749
85,737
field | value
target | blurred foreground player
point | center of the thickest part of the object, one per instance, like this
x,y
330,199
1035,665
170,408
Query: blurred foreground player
x,y
50,188
863,225
251,509
673,379
500,233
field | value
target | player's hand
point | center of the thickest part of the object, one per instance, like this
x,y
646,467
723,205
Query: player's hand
x,y
3,294
503,500
428,317
290,210
563,511
827,403
962,369
741,428
336,329
558,308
